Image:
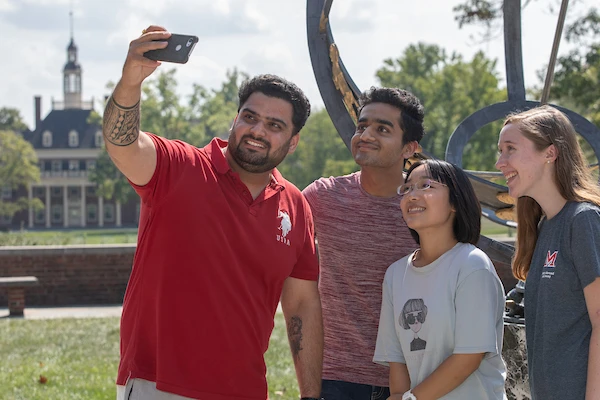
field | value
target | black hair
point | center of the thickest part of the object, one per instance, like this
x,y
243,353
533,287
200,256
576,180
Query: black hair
x,y
467,219
274,86
411,109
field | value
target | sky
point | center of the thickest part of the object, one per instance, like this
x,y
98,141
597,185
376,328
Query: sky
x,y
256,36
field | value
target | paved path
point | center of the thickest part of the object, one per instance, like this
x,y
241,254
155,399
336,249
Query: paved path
x,y
72,312
68,312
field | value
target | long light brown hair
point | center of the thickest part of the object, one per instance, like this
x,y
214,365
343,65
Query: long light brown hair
x,y
546,126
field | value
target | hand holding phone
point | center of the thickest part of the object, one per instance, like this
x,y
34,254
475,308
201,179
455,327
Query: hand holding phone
x,y
178,49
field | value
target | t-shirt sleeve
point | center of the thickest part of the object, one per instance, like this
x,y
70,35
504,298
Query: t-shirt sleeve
x,y
477,302
311,195
387,347
172,156
307,266
585,245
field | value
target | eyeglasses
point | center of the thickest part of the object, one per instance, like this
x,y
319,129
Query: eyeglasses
x,y
412,319
421,184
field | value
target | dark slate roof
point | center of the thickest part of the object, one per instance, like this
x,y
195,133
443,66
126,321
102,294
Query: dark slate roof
x,y
72,66
72,45
60,123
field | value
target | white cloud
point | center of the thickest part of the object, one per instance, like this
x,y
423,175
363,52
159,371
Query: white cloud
x,y
257,36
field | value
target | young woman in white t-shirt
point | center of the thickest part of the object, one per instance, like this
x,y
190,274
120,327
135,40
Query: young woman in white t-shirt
x,y
441,321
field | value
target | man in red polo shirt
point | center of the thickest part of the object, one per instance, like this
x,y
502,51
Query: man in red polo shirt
x,y
223,238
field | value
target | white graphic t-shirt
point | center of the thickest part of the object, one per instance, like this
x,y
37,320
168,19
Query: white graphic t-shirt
x,y
454,305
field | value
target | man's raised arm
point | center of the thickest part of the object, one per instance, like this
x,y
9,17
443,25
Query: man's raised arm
x,y
132,151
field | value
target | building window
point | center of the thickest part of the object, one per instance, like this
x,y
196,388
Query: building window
x,y
92,213
56,166
40,216
99,141
57,211
57,192
109,213
47,139
90,165
39,192
73,165
73,192
6,193
73,139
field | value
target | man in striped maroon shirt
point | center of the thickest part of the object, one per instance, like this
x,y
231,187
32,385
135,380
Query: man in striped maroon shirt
x,y
360,233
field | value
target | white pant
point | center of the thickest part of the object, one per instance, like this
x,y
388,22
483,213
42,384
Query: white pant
x,y
140,389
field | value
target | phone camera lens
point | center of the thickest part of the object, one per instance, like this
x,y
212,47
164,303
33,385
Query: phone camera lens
x,y
189,43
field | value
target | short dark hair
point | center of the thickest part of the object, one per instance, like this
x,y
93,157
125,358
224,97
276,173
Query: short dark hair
x,y
275,86
411,109
467,219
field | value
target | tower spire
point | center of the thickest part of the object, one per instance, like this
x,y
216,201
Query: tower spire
x,y
71,20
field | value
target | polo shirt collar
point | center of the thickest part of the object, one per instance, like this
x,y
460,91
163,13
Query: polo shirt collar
x,y
214,150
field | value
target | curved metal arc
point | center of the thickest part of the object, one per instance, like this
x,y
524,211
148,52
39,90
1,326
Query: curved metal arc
x,y
339,95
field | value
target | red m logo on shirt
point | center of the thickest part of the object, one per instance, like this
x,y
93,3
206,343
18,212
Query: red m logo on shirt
x,y
551,259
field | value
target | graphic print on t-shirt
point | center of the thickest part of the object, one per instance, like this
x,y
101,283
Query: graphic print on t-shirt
x,y
412,317
285,227
549,264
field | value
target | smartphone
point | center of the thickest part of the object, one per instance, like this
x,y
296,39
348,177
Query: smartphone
x,y
178,49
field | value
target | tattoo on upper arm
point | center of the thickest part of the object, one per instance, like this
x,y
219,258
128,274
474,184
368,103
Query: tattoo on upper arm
x,y
121,126
294,328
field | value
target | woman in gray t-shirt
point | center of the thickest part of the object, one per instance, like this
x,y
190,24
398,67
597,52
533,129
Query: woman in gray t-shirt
x,y
558,251
441,322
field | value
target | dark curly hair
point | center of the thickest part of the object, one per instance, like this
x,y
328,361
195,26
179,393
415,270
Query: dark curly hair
x,y
275,86
411,116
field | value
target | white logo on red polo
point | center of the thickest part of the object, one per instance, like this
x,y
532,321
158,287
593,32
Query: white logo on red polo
x,y
285,227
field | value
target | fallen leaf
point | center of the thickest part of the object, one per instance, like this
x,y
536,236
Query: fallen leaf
x,y
43,379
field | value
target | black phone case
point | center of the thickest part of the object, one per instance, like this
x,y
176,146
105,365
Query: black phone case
x,y
177,51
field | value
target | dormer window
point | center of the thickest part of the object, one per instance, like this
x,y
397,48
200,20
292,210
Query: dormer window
x,y
47,139
98,140
73,139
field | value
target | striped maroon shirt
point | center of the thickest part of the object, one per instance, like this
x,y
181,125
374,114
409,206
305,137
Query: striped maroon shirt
x,y
359,237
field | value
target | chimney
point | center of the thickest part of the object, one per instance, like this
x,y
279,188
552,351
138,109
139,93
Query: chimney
x,y
38,111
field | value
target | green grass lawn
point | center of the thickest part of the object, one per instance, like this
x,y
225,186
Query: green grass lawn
x,y
79,359
129,235
66,237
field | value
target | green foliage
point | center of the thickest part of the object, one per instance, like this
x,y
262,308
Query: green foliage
x,y
320,152
163,113
215,109
18,168
450,89
110,182
11,120
94,119
577,81
79,359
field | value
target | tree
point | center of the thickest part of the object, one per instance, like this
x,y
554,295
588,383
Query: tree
x,y
18,168
320,152
110,182
450,89
11,120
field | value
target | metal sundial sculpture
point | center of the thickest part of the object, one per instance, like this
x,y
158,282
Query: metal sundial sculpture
x,y
340,95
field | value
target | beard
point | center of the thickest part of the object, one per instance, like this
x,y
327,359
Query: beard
x,y
254,161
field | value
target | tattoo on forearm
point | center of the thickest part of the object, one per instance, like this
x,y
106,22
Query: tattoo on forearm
x,y
294,328
121,125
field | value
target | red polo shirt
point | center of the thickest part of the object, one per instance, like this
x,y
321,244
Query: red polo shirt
x,y
208,273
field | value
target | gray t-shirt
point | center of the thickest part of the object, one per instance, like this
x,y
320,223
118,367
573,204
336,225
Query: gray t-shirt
x,y
454,305
558,328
